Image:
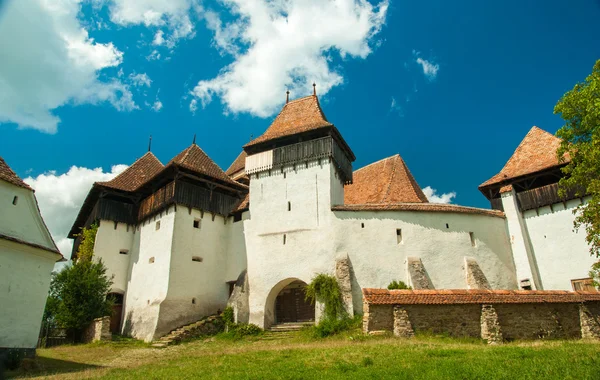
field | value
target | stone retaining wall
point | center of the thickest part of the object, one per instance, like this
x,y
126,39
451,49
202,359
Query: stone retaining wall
x,y
494,316
99,329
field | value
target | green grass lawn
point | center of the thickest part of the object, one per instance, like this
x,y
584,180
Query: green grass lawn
x,y
301,357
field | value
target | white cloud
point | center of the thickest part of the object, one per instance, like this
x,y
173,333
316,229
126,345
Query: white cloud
x,y
396,107
430,68
433,197
140,80
60,197
49,60
153,56
193,106
157,106
286,45
174,16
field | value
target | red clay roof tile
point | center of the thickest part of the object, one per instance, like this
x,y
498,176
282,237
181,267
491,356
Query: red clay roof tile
x,y
237,165
143,169
535,153
8,175
473,296
432,207
384,182
297,116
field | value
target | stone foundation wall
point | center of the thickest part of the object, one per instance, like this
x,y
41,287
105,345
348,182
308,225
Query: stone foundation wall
x,y
99,329
493,322
455,320
539,321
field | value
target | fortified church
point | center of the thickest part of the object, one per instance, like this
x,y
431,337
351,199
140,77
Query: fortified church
x,y
185,239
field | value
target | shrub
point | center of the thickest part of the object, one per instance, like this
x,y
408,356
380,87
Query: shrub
x,y
227,316
78,295
326,289
398,285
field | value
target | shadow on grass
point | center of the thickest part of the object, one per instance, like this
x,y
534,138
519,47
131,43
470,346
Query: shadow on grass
x,y
41,366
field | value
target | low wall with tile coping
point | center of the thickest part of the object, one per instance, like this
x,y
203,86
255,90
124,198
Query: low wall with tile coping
x,y
493,315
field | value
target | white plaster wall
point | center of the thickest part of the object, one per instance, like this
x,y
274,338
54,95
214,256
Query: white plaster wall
x,y
236,248
308,248
562,253
149,282
109,242
24,281
23,220
316,236
203,281
524,259
377,258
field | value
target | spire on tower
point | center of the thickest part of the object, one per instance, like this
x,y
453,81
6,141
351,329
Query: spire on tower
x,y
150,144
314,89
287,97
194,141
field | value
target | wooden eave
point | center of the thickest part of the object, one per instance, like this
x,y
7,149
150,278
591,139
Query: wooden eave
x,y
493,190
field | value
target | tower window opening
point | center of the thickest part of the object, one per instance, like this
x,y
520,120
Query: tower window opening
x,y
15,200
123,251
447,226
196,223
157,227
362,225
197,259
289,206
284,238
399,235
472,237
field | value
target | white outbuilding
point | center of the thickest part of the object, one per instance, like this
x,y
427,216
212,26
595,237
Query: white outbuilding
x,y
27,257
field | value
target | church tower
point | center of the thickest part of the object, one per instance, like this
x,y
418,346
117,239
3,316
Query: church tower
x,y
297,170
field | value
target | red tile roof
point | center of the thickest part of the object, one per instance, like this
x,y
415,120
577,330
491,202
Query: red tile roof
x,y
135,176
297,116
237,165
8,175
193,158
384,182
244,205
535,153
473,296
431,207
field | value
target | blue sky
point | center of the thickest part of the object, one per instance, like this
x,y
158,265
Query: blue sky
x,y
452,86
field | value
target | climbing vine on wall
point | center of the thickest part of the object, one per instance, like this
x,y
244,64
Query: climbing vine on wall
x,y
88,238
325,288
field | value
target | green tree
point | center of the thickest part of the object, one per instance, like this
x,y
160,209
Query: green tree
x,y
580,108
78,295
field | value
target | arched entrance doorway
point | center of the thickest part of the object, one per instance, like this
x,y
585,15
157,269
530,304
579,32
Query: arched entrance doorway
x,y
291,304
117,310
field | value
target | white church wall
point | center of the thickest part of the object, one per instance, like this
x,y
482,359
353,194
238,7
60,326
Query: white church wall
x,y
441,240
283,245
24,284
561,252
196,288
22,220
236,248
111,240
286,245
149,275
524,259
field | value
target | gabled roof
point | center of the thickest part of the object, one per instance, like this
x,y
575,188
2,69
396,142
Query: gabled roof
x,y
193,158
297,116
537,152
238,164
8,175
137,174
418,207
384,182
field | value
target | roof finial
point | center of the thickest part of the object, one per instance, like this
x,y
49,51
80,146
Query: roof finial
x,y
287,96
194,142
314,89
150,144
